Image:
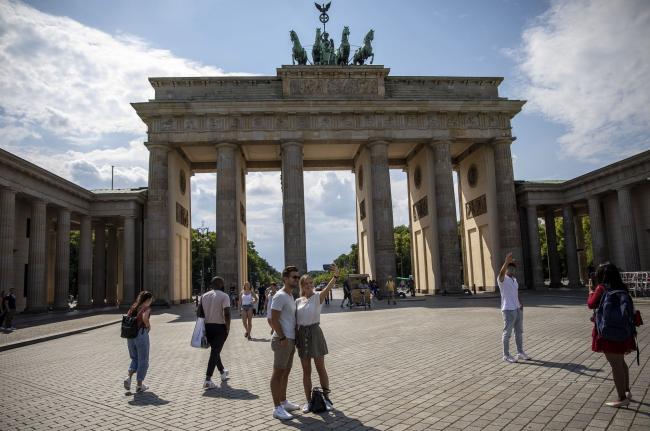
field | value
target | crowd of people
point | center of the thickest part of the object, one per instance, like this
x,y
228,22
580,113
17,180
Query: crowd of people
x,y
295,326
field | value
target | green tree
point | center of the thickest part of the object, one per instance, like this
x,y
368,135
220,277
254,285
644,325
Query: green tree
x,y
259,270
402,236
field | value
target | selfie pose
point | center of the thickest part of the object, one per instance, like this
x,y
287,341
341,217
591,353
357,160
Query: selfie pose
x,y
310,340
248,300
512,310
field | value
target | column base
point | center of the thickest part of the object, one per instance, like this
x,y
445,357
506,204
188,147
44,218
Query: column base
x,y
35,310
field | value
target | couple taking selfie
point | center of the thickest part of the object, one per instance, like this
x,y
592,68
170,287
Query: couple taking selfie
x,y
296,326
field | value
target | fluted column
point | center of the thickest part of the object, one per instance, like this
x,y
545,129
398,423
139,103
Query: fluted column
x,y
129,261
570,248
551,243
628,230
597,225
509,231
450,275
293,206
382,213
62,277
36,287
85,263
535,252
111,266
7,232
99,265
157,247
227,214
580,245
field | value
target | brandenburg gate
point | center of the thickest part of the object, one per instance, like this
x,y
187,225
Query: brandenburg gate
x,y
326,117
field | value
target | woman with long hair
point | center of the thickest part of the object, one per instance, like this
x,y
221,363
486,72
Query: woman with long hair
x,y
248,300
139,346
310,340
608,279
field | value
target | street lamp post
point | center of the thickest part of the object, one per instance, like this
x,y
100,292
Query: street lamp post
x,y
203,232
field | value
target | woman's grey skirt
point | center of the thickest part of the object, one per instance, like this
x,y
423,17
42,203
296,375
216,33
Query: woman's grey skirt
x,y
310,342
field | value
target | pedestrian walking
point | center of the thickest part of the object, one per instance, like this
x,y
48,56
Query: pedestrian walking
x,y
139,346
310,340
2,310
261,299
411,286
283,321
9,308
614,327
512,310
248,300
346,293
390,290
215,309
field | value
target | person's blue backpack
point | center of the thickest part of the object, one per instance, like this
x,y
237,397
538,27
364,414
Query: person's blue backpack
x,y
615,315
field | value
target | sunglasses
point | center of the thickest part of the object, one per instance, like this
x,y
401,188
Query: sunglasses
x,y
295,277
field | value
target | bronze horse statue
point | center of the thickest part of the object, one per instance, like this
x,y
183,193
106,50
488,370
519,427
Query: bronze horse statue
x,y
298,53
365,52
317,49
343,53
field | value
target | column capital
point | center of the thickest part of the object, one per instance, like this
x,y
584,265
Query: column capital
x,y
222,145
290,143
38,202
7,189
157,145
129,216
502,141
434,142
377,145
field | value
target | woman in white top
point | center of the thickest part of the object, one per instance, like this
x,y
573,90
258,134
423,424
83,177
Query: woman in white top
x,y
248,300
310,340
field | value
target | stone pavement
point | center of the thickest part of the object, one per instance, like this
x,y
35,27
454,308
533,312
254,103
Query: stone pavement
x,y
433,364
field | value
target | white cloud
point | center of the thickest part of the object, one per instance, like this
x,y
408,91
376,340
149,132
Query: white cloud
x,y
586,65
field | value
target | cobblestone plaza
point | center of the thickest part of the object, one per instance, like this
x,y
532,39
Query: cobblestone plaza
x,y
427,364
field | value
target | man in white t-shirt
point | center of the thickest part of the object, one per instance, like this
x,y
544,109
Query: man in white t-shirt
x,y
215,308
283,344
512,310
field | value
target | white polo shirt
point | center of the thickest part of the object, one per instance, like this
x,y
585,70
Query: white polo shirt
x,y
509,293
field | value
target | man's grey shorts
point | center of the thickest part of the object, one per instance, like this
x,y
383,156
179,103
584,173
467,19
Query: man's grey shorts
x,y
283,356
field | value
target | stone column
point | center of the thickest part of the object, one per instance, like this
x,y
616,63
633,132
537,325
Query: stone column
x,y
157,247
450,274
382,213
36,287
573,272
598,244
111,266
227,215
7,233
293,206
551,245
85,263
509,231
62,277
535,251
628,230
580,244
129,261
99,265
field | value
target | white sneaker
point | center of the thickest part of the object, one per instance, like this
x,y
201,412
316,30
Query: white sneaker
x,y
224,375
523,356
509,359
328,406
289,406
127,383
2,328
141,388
209,384
306,408
280,413
13,328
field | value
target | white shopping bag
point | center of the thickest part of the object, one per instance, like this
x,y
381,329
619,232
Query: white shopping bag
x,y
198,336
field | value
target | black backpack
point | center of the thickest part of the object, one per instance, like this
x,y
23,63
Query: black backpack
x,y
615,315
129,326
317,402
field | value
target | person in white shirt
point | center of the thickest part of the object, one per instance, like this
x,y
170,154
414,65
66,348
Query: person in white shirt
x,y
283,322
512,310
215,308
310,340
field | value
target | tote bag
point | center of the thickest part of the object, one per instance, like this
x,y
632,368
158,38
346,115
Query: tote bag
x,y
198,336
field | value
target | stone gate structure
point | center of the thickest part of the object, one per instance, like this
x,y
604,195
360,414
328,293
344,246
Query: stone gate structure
x,y
330,117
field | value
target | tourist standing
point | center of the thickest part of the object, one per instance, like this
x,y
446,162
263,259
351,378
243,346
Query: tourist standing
x,y
2,310
270,292
310,340
512,310
248,300
9,310
390,290
139,346
215,308
346,293
613,333
261,299
411,286
283,322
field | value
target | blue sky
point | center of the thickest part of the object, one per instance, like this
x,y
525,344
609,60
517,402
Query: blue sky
x,y
71,68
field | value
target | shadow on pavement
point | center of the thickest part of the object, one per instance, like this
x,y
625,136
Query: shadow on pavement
x,y
316,421
227,391
146,399
569,366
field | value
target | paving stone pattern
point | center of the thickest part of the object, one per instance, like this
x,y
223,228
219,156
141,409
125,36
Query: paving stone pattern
x,y
433,364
